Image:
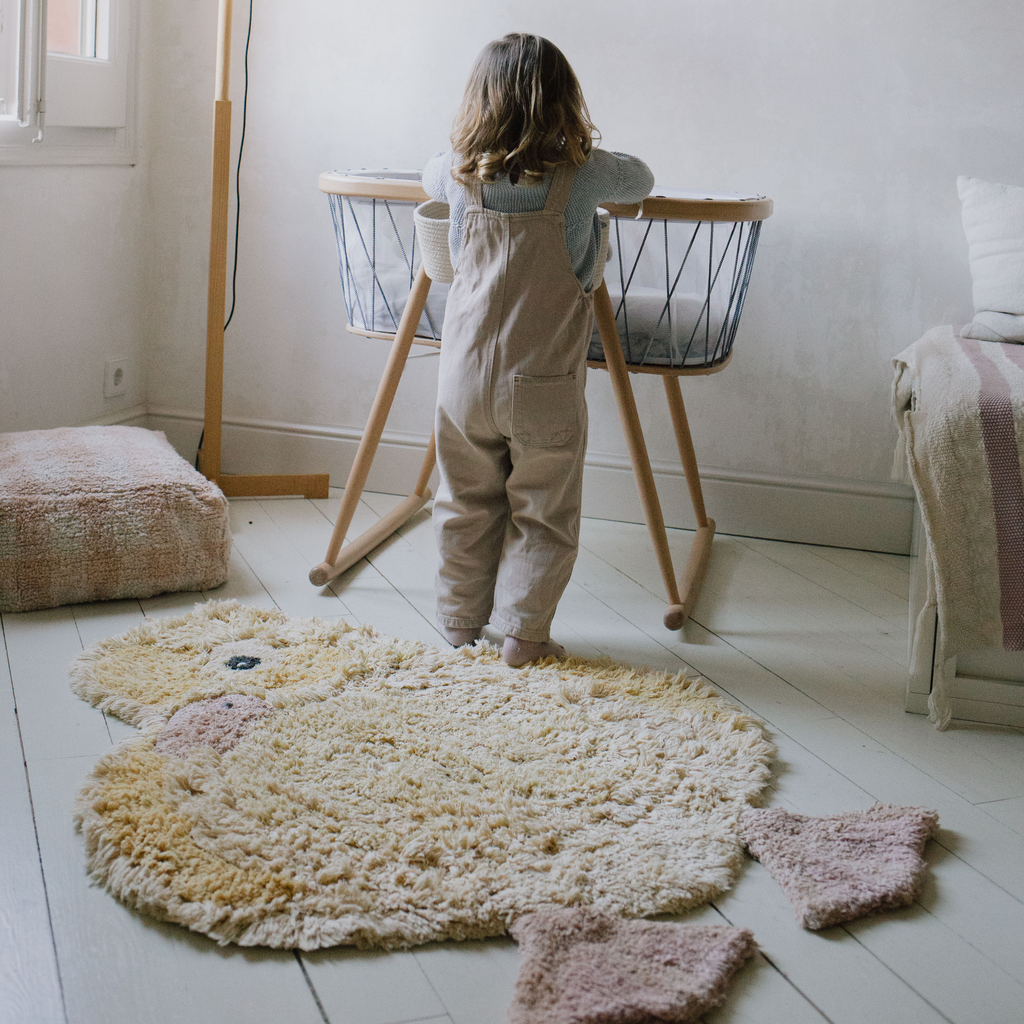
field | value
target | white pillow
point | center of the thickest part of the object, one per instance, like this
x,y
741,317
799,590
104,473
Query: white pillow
x,y
993,217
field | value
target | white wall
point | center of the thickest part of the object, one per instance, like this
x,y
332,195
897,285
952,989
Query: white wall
x,y
855,118
71,293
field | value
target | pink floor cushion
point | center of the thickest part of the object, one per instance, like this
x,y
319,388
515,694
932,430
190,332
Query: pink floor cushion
x,y
842,866
95,513
583,966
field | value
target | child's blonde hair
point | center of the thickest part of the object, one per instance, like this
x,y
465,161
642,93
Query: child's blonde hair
x,y
523,113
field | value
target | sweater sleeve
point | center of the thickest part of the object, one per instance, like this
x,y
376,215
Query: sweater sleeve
x,y
633,182
437,175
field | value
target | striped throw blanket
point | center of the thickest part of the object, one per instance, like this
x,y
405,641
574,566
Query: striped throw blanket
x,y
959,405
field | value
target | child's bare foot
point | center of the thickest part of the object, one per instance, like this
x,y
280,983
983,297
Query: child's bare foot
x,y
518,652
461,637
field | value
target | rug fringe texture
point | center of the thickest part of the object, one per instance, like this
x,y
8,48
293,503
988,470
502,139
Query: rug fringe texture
x,y
302,784
842,866
581,966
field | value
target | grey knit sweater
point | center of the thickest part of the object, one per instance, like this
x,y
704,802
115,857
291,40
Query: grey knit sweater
x,y
605,178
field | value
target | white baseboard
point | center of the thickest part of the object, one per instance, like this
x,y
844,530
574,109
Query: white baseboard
x,y
842,514
132,416
848,514
263,446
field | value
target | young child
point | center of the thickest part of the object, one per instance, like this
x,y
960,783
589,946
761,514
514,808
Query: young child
x,y
523,182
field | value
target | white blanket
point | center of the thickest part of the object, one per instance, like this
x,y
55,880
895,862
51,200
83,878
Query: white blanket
x,y
959,404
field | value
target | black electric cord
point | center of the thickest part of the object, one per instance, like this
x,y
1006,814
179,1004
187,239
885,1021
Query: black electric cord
x,y
238,165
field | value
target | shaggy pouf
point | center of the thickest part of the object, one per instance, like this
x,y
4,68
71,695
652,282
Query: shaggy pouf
x,y
302,784
582,966
96,513
842,866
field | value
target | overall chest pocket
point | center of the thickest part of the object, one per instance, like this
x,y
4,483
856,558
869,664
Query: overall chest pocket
x,y
545,410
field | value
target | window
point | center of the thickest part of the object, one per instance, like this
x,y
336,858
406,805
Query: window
x,y
78,28
21,69
66,64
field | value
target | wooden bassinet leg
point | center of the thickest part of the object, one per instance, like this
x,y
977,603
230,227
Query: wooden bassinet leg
x,y
700,549
616,363
339,559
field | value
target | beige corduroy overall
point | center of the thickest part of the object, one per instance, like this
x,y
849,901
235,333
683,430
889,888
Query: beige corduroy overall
x,y
511,419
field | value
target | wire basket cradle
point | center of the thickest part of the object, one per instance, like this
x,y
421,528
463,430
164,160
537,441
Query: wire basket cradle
x,y
678,287
378,257
670,303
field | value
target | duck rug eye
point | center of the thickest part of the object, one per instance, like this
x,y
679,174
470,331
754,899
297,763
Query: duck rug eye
x,y
302,784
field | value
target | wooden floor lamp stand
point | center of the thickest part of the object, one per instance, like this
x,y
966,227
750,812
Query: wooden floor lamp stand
x,y
314,485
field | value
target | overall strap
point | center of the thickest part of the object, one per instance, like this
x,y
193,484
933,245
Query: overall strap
x,y
561,186
474,194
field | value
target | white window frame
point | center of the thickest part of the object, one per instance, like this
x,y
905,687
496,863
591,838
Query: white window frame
x,y
87,111
24,38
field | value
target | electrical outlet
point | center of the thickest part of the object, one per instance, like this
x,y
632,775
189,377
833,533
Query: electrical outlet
x,y
115,378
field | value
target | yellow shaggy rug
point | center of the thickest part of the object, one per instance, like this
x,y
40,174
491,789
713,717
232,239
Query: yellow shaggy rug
x,y
300,783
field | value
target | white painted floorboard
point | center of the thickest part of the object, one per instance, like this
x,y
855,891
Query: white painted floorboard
x,y
29,984
812,640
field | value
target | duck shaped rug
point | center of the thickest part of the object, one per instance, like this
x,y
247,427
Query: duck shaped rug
x,y
304,783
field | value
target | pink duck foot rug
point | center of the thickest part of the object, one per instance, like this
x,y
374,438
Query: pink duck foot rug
x,y
842,866
582,966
